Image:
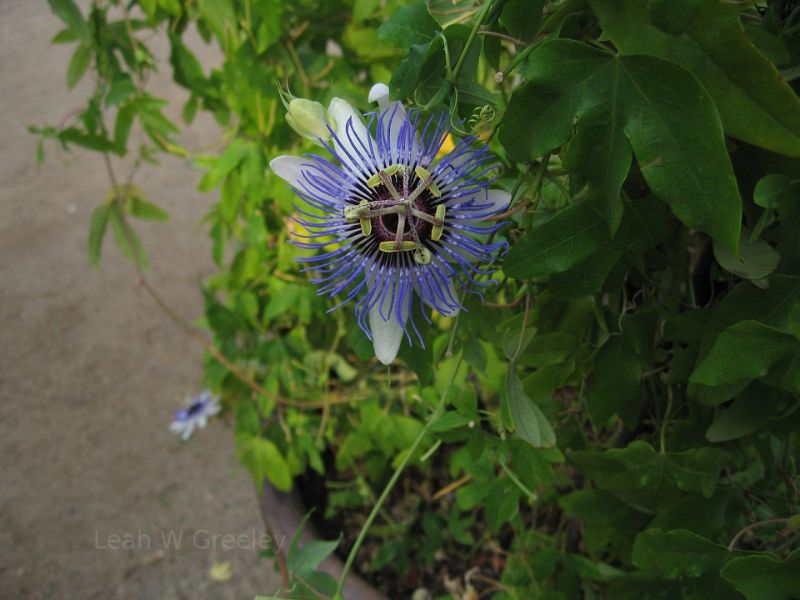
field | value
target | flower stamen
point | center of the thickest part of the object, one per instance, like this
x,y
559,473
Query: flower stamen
x,y
404,206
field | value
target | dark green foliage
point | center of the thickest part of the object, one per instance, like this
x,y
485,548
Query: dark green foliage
x,y
619,411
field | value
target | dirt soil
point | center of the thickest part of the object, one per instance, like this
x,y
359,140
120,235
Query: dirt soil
x,y
93,482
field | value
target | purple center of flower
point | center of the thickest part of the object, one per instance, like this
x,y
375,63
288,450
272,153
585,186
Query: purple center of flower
x,y
195,408
384,227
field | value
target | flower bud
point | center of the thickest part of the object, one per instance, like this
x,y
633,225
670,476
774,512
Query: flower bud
x,y
308,118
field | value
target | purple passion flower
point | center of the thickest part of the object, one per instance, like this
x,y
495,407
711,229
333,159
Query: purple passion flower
x,y
403,216
195,416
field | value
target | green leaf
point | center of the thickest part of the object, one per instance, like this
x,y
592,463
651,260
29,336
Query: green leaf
x,y
600,152
755,103
68,11
304,560
220,17
743,417
772,190
97,231
670,16
548,350
521,18
121,89
680,152
677,553
122,127
78,64
186,69
447,421
409,25
615,382
529,421
234,154
765,577
756,258
264,460
557,244
406,75
73,135
141,208
501,505
604,519
360,344
647,222
149,7
126,237
646,478
742,352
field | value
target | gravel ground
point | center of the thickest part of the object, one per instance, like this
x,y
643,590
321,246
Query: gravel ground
x,y
98,498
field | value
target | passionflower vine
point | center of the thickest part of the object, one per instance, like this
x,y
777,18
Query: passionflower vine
x,y
195,415
405,219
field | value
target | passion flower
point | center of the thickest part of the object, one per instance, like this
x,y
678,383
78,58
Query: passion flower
x,y
405,218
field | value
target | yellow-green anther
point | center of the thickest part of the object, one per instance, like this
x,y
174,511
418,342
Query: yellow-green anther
x,y
364,221
392,169
366,226
438,228
393,246
377,179
351,212
426,180
422,256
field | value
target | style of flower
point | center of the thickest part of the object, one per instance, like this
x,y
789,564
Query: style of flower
x,y
195,416
407,217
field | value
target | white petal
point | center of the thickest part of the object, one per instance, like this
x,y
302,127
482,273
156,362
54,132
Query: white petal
x,y
340,112
500,200
289,168
394,117
351,133
387,334
188,431
379,93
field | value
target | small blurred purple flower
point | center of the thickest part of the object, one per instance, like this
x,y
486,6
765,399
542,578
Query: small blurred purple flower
x,y
195,416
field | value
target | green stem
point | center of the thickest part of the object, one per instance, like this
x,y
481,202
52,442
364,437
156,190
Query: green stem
x,y
475,26
351,557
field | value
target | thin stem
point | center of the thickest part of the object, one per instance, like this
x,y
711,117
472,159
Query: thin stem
x,y
515,192
513,360
475,26
502,36
513,476
452,341
665,422
510,212
562,12
298,64
110,171
348,565
752,526
452,486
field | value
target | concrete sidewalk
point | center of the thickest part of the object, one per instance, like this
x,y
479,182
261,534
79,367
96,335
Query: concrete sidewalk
x,y
91,372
